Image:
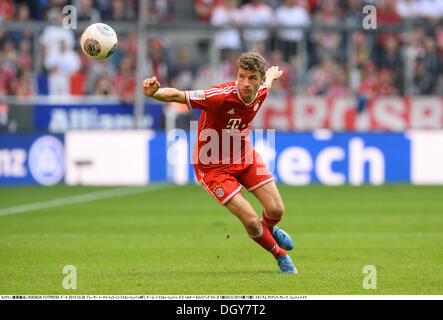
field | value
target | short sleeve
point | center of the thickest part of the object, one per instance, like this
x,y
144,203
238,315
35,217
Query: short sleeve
x,y
209,99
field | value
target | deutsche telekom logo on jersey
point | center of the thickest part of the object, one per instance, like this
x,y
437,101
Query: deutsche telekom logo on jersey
x,y
233,124
230,146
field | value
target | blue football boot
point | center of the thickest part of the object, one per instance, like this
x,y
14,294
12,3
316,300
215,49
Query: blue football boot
x,y
286,265
282,238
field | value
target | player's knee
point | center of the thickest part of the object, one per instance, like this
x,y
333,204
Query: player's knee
x,y
252,225
276,210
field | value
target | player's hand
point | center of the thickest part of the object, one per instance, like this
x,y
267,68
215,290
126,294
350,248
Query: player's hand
x,y
273,73
150,86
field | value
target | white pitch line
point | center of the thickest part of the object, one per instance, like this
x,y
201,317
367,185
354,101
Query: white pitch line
x,y
87,197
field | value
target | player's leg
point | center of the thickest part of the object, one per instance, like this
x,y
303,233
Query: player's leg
x,y
243,210
258,180
225,188
268,195
270,198
258,232
255,228
273,207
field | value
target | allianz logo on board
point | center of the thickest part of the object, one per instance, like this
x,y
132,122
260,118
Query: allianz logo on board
x,y
62,120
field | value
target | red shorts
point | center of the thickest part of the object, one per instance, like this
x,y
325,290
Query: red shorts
x,y
224,182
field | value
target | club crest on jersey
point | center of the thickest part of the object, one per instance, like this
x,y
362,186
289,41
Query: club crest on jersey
x,y
256,106
197,95
218,190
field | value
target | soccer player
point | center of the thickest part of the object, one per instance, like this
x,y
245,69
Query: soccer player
x,y
221,168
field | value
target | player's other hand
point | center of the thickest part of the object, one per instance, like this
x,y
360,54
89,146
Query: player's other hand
x,y
150,86
273,73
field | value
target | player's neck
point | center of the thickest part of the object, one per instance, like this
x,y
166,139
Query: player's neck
x,y
249,99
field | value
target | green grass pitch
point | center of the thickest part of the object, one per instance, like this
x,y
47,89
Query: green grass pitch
x,y
179,241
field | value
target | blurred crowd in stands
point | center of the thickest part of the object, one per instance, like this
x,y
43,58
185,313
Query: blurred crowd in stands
x,y
327,62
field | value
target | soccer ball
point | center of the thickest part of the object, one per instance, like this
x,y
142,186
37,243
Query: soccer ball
x,y
99,41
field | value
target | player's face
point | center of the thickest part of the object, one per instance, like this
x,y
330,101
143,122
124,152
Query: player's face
x,y
248,83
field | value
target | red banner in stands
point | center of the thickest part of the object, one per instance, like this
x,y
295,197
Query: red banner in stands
x,y
347,114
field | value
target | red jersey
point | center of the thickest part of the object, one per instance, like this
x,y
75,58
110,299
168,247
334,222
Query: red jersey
x,y
226,117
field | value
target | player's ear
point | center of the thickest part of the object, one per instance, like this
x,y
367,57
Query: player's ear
x,y
263,80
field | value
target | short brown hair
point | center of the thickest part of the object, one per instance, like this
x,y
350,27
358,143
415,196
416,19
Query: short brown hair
x,y
253,62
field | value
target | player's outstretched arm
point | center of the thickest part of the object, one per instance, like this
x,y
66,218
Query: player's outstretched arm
x,y
151,88
273,73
